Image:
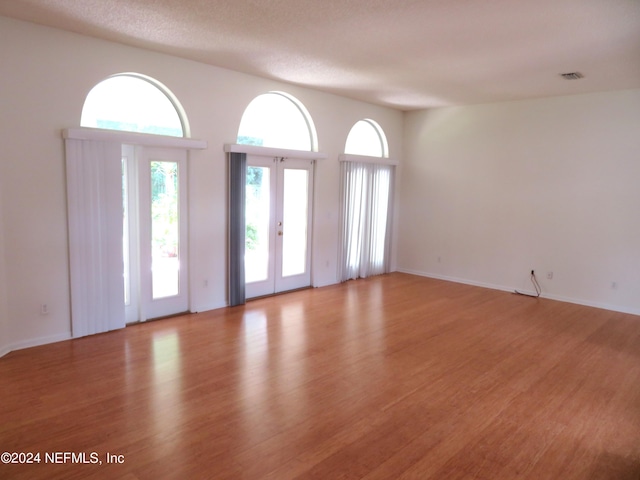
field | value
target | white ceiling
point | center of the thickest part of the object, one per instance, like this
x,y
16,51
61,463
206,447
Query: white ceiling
x,y
406,54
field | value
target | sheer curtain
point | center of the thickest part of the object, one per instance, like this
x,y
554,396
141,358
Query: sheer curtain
x,y
366,198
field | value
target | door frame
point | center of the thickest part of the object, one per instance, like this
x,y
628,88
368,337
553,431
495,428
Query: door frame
x,y
293,282
142,305
275,282
264,287
235,153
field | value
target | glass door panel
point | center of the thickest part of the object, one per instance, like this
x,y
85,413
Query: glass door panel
x,y
293,248
165,232
260,207
154,240
257,218
294,221
278,225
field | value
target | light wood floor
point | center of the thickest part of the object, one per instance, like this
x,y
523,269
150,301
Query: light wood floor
x,y
393,377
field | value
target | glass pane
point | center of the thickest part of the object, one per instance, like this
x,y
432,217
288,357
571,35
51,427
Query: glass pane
x,y
294,236
273,120
131,104
165,262
363,139
258,200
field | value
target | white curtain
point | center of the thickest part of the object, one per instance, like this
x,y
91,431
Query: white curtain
x,y
94,205
366,198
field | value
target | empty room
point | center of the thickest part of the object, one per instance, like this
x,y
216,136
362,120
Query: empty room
x,y
346,239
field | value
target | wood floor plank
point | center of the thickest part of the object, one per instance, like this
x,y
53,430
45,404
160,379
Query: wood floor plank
x,y
392,377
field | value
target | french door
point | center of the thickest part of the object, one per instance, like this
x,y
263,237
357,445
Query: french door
x,y
278,215
154,232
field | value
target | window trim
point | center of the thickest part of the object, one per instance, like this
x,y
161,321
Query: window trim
x,y
133,138
349,157
273,152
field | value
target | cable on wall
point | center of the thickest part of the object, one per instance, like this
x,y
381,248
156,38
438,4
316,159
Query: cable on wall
x,y
536,285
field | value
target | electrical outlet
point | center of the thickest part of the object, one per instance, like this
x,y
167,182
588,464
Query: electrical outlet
x,y
614,285
44,309
549,275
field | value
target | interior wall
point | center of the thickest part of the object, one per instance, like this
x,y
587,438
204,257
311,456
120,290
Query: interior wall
x,y
490,192
47,74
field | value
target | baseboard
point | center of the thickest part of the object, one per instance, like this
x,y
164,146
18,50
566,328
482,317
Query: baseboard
x,y
586,303
559,298
325,284
457,280
34,342
207,308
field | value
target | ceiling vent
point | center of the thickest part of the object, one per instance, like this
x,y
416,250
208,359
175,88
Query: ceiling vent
x,y
572,75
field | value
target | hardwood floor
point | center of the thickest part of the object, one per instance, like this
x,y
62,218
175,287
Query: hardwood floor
x,y
393,377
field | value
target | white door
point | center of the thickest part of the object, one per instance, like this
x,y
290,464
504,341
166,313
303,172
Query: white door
x,y
278,225
155,229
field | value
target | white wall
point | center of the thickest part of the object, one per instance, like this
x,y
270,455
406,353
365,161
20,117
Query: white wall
x,y
490,192
46,75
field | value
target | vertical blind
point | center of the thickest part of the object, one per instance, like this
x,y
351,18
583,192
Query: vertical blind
x,y
366,198
94,204
237,227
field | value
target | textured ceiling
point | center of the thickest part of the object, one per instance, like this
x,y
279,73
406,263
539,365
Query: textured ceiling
x,y
406,54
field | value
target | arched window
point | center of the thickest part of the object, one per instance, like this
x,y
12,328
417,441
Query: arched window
x,y
367,138
134,103
277,120
367,202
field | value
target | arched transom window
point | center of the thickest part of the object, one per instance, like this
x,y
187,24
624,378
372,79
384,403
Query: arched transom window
x,y
277,120
133,103
367,138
